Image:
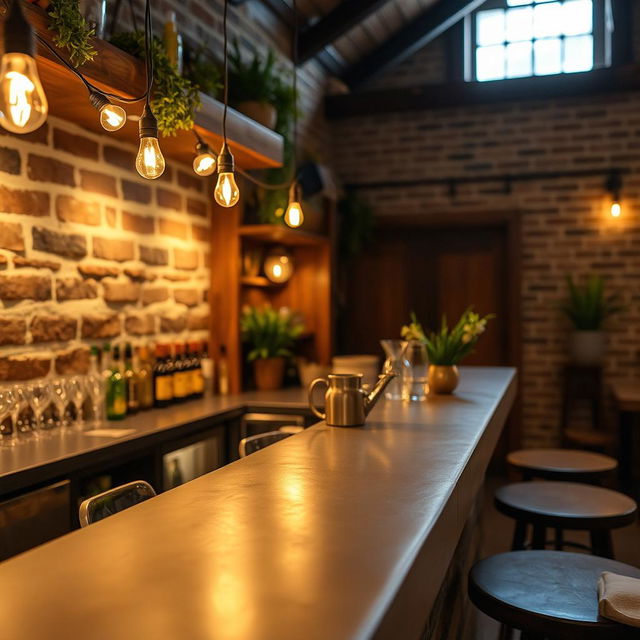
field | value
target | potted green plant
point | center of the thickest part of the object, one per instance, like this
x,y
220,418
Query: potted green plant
x,y
253,86
447,347
588,308
270,334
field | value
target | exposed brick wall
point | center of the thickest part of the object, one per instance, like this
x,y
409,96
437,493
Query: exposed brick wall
x,y
89,251
565,223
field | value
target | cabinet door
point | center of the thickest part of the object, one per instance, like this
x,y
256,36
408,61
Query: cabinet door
x,y
193,460
33,518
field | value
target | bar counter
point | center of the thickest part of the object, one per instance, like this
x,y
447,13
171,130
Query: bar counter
x,y
331,534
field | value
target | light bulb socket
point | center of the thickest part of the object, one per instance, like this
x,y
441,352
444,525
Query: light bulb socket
x,y
614,185
148,124
295,192
225,160
18,32
202,147
98,100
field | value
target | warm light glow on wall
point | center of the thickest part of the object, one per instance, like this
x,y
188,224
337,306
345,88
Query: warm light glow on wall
x,y
616,209
278,265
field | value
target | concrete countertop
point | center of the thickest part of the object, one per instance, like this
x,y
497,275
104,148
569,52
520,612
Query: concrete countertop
x,y
331,534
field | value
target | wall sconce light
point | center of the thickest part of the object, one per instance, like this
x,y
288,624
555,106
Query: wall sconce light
x,y
614,187
278,265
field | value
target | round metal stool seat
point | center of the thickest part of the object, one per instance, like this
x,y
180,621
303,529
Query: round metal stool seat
x,y
562,464
565,506
549,594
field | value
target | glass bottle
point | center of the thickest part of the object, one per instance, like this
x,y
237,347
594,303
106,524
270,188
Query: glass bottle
x,y
180,375
395,363
145,379
116,390
223,372
416,366
162,378
131,379
196,372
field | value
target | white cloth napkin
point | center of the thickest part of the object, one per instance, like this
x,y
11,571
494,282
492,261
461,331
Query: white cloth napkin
x,y
619,598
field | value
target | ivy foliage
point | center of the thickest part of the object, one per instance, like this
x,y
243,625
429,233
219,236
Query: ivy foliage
x,y
71,31
175,98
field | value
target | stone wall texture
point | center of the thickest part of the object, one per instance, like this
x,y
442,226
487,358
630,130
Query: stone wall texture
x,y
566,226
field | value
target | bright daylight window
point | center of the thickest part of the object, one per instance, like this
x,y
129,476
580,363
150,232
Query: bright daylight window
x,y
521,38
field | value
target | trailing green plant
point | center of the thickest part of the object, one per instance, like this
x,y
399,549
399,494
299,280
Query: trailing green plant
x,y
71,31
255,80
587,306
203,72
270,333
356,224
175,98
449,346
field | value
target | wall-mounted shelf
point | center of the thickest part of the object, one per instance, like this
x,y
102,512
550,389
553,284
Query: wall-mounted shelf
x,y
253,145
273,233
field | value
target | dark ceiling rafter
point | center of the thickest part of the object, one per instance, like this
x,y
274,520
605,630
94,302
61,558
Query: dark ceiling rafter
x,y
411,38
330,27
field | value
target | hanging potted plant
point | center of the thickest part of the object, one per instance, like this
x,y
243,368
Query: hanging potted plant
x,y
446,348
270,335
588,308
253,86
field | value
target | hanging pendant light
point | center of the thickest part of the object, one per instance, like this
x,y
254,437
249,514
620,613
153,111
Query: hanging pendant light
x,y
294,217
149,161
204,164
23,103
112,117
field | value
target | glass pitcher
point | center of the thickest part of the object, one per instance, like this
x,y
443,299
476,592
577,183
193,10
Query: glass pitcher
x,y
395,363
415,376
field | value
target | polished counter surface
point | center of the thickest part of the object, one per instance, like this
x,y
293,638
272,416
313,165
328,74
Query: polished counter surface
x,y
331,534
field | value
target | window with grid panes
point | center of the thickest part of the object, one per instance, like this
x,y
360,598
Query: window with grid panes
x,y
524,38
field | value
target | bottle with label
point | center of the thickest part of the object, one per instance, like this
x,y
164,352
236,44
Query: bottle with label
x,y
223,372
162,378
197,379
131,379
145,379
181,375
173,41
116,389
207,369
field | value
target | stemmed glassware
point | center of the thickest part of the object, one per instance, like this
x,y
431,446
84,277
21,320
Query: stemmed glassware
x,y
95,388
7,423
40,399
75,392
395,363
59,388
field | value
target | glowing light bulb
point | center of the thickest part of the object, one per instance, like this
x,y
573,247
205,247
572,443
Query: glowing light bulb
x,y
23,104
112,117
616,209
204,164
150,161
226,192
293,215
278,265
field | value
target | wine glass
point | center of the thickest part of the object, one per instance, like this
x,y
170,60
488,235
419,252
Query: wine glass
x,y
75,392
59,390
95,387
22,412
40,399
7,424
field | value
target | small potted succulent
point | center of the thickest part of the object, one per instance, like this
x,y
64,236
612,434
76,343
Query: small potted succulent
x,y
447,347
253,86
270,334
588,308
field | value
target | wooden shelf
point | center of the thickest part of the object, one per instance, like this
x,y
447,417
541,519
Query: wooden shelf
x,y
273,233
259,281
113,70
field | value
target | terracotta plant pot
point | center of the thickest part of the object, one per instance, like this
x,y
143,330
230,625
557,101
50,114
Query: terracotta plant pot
x,y
443,378
268,373
262,112
587,347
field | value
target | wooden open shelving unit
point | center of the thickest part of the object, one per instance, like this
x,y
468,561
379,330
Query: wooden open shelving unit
x,y
113,70
308,291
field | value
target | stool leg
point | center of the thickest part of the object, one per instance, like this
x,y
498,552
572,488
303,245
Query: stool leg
x,y
539,537
601,543
519,535
559,539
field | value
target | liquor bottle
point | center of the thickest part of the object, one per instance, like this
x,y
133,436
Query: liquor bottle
x,y
106,361
223,372
131,379
181,375
116,390
197,379
162,378
145,379
207,369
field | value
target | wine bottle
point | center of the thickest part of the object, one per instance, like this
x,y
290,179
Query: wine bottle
x,y
116,390
131,379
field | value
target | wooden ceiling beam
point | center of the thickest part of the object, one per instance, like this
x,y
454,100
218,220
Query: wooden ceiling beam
x,y
338,21
409,39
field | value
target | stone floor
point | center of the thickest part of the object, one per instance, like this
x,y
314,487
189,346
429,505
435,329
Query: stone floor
x,y
497,531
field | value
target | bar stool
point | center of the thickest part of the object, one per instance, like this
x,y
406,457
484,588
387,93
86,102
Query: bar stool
x,y
565,506
260,441
547,594
113,501
562,464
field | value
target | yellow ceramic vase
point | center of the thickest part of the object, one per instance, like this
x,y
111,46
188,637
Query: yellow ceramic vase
x,y
443,378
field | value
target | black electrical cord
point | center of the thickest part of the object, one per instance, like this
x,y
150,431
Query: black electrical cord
x,y
226,72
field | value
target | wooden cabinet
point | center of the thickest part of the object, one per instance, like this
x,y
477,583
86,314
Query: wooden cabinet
x,y
308,291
